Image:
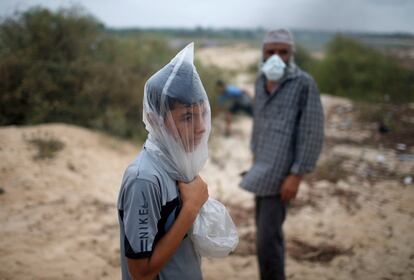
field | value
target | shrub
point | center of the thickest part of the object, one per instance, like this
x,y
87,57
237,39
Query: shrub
x,y
65,67
356,71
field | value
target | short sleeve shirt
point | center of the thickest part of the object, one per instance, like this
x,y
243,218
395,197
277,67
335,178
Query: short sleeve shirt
x,y
148,205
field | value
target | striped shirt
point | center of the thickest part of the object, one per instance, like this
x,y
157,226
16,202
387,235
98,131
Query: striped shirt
x,y
287,132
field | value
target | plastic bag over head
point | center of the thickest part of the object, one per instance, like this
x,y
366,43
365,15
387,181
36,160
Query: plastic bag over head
x,y
177,116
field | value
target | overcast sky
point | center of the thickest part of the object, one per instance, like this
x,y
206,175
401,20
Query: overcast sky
x,y
334,15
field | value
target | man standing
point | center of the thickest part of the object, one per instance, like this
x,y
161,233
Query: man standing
x,y
286,142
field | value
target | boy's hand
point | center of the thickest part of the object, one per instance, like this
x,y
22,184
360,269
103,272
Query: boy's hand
x,y
193,194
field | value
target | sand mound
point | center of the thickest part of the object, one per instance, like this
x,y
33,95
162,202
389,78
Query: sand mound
x,y
58,214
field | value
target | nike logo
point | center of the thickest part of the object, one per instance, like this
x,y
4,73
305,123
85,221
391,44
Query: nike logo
x,y
145,205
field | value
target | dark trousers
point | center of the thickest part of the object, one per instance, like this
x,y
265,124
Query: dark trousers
x,y
270,215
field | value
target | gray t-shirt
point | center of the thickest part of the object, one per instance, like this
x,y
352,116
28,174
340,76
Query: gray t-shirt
x,y
148,205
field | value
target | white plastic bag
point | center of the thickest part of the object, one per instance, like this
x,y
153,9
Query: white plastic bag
x,y
214,234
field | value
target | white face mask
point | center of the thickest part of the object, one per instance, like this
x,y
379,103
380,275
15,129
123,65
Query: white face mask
x,y
274,68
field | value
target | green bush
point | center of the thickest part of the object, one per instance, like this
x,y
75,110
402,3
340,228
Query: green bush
x,y
64,67
356,71
304,59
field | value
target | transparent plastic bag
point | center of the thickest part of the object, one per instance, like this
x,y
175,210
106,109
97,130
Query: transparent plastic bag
x,y
177,117
213,233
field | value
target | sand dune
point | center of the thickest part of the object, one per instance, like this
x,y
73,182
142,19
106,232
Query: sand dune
x,y
58,215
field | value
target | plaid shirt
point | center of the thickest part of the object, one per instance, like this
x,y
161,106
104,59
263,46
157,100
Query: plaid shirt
x,y
287,132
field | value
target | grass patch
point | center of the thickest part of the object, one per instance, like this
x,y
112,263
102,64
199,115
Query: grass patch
x,y
47,146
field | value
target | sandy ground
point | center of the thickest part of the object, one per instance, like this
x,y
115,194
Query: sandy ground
x,y
236,60
58,216
354,218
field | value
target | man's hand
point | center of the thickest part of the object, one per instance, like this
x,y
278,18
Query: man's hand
x,y
193,194
290,187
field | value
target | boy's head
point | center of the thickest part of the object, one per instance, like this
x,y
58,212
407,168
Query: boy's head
x,y
177,117
184,87
175,99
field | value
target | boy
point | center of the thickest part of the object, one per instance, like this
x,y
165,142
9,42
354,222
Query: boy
x,y
161,192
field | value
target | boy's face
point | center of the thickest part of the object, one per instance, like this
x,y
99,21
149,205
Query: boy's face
x,y
188,124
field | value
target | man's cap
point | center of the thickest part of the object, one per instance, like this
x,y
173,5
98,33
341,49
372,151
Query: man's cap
x,y
279,36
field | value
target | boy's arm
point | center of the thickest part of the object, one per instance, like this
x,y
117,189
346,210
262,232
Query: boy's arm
x,y
193,195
